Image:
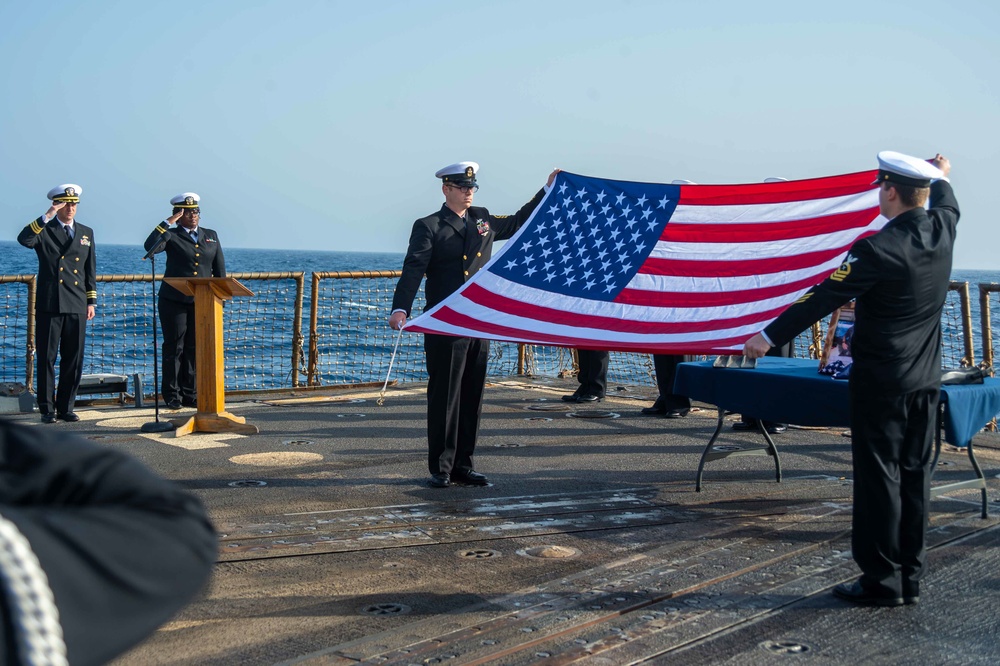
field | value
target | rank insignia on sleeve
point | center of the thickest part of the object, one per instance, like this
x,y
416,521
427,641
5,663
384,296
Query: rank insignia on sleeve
x,y
804,297
841,273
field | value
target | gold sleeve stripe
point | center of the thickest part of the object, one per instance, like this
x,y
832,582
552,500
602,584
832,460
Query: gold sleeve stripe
x,y
91,294
841,273
805,297
37,228
162,227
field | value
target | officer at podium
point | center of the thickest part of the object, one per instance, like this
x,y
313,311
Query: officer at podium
x,y
192,251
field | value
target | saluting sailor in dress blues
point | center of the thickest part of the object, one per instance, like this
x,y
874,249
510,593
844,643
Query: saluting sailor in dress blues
x,y
449,246
67,296
899,277
192,251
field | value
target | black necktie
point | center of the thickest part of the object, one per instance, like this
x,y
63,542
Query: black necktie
x,y
69,231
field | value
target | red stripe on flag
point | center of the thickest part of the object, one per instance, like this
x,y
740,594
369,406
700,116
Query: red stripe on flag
x,y
755,232
545,315
681,299
781,192
741,268
449,316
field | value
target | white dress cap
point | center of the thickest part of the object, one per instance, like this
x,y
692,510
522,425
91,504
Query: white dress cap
x,y
458,171
186,200
906,170
67,192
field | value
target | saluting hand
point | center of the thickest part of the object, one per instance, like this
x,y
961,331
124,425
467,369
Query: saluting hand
x,y
941,162
51,212
173,218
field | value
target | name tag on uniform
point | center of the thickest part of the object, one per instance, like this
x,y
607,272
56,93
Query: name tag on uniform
x,y
483,227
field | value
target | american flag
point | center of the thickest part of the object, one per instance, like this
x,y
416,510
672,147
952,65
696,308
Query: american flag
x,y
660,268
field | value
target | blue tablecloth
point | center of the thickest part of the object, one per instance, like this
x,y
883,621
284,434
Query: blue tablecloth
x,y
791,390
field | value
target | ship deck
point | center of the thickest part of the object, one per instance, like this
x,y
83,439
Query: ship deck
x,y
589,545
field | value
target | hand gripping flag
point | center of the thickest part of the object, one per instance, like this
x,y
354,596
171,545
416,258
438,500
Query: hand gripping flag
x,y
646,267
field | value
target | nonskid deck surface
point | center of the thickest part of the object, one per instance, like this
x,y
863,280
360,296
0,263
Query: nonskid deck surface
x,y
590,545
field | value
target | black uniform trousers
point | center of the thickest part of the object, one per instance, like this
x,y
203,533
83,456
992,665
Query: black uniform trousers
x,y
65,334
891,439
593,372
665,366
457,380
178,324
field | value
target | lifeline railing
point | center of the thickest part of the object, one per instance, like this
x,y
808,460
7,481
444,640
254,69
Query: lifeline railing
x,y
349,342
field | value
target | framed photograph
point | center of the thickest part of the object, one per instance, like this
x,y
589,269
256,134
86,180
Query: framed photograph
x,y
837,356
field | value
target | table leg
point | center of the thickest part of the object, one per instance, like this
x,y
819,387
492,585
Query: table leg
x,y
772,449
982,479
704,455
978,482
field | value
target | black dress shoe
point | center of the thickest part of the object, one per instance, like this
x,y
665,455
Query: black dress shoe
x,y
470,478
173,404
48,418
188,402
570,397
657,409
771,428
911,593
69,417
439,481
677,413
857,594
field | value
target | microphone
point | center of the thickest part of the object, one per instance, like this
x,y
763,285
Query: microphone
x,y
156,246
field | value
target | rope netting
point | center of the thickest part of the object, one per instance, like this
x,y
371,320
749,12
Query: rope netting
x,y
15,340
263,333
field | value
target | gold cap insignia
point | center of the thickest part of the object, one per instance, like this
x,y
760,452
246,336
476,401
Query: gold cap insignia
x,y
189,201
468,172
71,191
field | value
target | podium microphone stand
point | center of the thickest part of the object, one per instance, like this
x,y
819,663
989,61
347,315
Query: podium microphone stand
x,y
157,425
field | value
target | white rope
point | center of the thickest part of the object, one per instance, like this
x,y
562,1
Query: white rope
x,y
32,607
381,394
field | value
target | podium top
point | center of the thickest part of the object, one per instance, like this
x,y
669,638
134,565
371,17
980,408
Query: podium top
x,y
224,288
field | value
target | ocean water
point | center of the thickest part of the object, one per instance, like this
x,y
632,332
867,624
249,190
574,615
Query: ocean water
x,y
127,259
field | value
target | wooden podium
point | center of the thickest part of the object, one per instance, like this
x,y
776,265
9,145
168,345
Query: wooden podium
x,y
209,294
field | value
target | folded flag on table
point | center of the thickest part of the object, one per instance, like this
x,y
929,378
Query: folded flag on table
x,y
656,268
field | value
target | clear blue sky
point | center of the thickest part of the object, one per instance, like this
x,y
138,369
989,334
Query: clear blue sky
x,y
308,124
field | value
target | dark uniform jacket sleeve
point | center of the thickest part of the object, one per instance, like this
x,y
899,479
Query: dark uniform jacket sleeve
x,y
123,549
899,277
185,258
449,250
67,269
